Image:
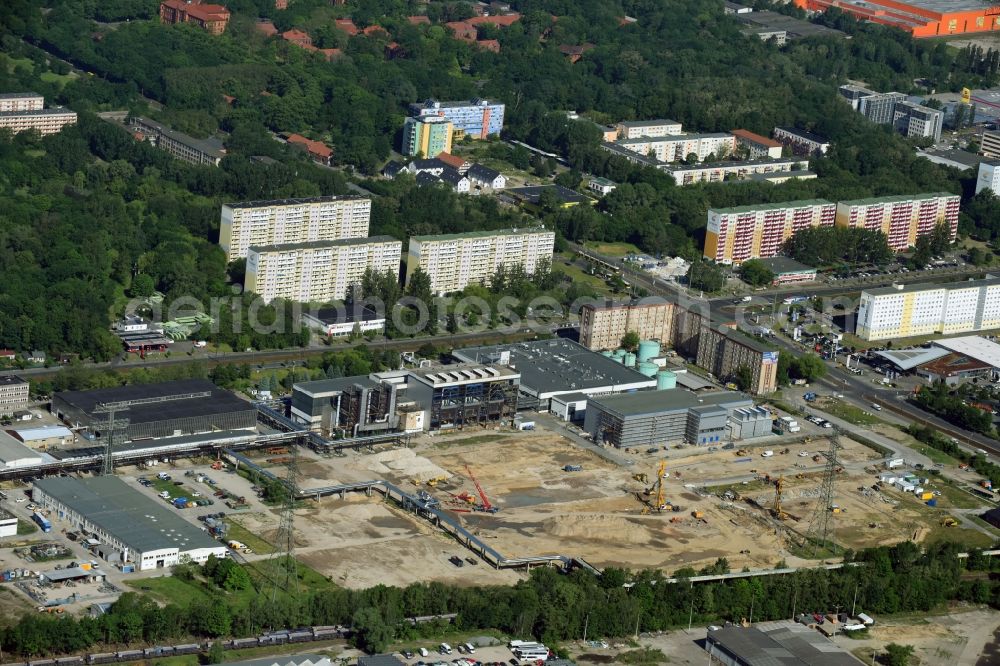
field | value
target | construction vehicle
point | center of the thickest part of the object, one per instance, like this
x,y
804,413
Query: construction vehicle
x,y
486,506
777,511
948,521
436,480
742,452
641,477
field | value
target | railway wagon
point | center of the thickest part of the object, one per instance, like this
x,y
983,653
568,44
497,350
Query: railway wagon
x,y
102,658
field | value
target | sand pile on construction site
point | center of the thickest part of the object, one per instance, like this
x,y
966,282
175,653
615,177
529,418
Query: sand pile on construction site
x,y
596,527
404,462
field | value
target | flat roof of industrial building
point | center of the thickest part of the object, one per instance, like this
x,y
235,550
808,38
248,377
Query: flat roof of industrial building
x,y
931,286
667,400
327,386
192,398
781,643
558,365
40,432
13,450
464,373
132,517
533,193
975,347
285,660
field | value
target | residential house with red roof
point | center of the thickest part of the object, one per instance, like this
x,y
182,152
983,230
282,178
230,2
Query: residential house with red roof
x,y
212,18
317,150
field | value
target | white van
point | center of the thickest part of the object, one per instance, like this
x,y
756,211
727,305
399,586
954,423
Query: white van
x,y
444,648
470,648
165,495
423,652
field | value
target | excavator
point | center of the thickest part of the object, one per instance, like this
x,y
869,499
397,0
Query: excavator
x,y
777,511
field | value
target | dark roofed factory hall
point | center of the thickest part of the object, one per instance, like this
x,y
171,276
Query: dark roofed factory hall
x,y
166,409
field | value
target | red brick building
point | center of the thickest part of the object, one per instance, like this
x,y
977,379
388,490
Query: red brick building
x,y
318,151
213,18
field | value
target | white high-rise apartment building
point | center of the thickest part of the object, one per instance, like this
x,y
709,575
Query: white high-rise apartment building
x,y
989,176
46,121
453,261
284,221
902,311
319,271
26,101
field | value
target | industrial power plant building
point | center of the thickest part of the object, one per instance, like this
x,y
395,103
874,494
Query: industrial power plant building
x,y
132,528
464,394
550,368
654,418
166,409
348,406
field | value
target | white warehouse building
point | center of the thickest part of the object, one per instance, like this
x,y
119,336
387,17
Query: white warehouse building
x,y
133,528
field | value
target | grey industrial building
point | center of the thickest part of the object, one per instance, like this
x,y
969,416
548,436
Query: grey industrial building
x,y
165,409
782,643
131,527
464,394
654,418
557,367
348,406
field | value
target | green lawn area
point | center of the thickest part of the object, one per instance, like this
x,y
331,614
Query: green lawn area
x,y
175,491
613,249
964,537
577,274
172,590
934,454
25,527
849,413
237,532
61,79
954,496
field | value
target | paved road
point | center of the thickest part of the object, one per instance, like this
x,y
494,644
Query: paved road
x,y
553,424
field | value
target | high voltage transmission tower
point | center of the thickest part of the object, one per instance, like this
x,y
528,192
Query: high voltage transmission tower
x,y
281,572
818,534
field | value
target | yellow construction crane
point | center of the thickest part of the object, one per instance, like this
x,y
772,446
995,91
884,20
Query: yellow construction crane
x,y
660,502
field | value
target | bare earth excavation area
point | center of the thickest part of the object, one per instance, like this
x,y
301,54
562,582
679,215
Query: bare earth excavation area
x,y
599,513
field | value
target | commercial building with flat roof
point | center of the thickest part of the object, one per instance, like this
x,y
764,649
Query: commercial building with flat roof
x,y
347,406
45,121
903,218
178,144
14,393
737,234
916,120
782,643
920,18
283,221
339,322
182,407
788,271
902,311
973,346
657,418
318,271
287,660
135,528
556,367
464,394
8,524
454,261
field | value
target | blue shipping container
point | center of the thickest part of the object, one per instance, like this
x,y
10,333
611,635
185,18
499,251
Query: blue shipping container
x,y
932,502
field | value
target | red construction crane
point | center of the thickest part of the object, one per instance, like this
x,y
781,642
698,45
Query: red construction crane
x,y
487,506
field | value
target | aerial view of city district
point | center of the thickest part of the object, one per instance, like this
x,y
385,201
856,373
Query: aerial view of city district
x,y
510,332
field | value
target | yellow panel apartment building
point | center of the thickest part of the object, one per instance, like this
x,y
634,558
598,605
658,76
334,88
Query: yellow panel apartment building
x,y
319,271
902,311
902,219
454,261
264,223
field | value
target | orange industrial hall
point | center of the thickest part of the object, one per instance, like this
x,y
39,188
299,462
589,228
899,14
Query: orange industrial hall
x,y
921,18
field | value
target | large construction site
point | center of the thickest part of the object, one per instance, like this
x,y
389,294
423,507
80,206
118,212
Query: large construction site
x,y
539,493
